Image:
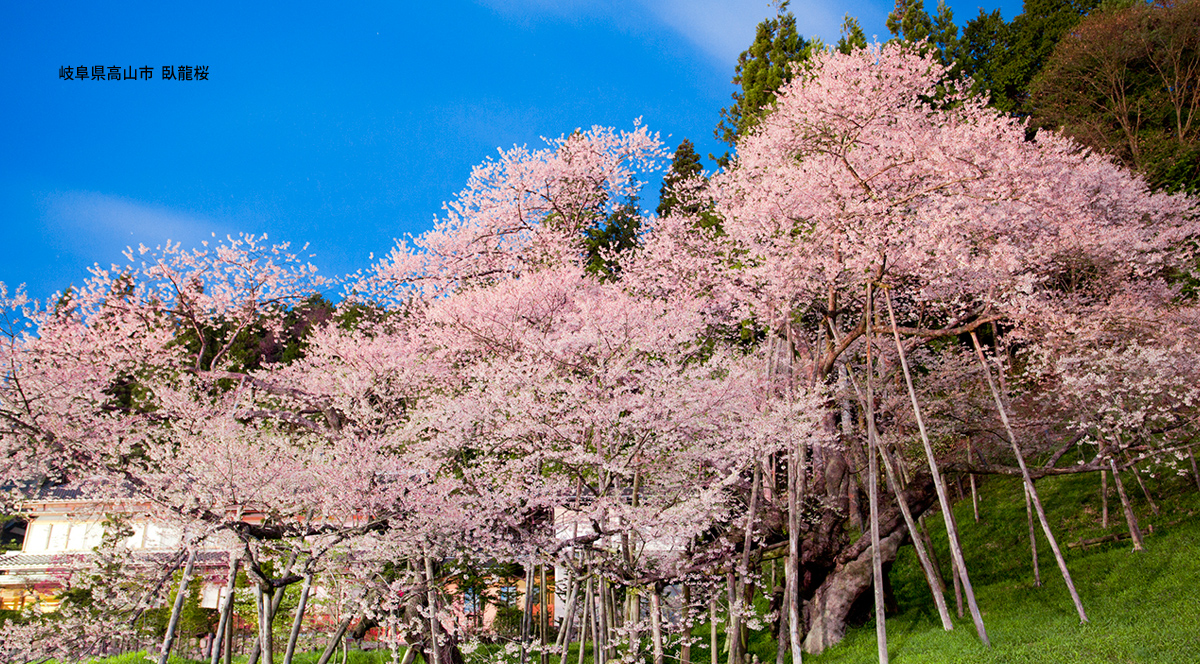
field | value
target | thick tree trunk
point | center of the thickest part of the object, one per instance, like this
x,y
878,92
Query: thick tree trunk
x,y
829,608
928,566
896,484
180,596
838,571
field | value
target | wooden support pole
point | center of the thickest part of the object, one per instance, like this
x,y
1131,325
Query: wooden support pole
x,y
1033,495
1037,572
873,494
938,483
180,596
294,635
226,622
895,483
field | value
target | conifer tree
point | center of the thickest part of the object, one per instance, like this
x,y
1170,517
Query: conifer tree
x,y
852,37
684,166
761,70
1003,58
909,21
614,234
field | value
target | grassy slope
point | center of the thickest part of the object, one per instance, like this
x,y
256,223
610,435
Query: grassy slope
x,y
1142,607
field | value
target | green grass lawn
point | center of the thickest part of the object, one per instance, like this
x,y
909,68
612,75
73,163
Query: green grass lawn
x,y
1142,607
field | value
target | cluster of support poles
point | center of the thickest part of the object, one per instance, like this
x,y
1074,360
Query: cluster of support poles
x,y
595,615
877,451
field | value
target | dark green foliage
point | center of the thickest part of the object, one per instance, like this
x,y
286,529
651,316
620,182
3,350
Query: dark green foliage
x,y
984,43
615,234
943,36
1003,58
1126,83
761,70
909,21
1177,170
507,622
685,165
852,37
194,620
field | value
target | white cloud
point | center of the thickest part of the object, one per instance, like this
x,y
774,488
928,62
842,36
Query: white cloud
x,y
725,28
97,227
721,29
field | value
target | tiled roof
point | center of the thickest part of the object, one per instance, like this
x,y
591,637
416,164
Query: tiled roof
x,y
25,560
79,489
33,559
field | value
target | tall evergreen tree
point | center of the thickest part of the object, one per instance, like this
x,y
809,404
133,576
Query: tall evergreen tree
x,y
1004,58
684,166
761,70
852,37
909,21
615,233
984,48
944,37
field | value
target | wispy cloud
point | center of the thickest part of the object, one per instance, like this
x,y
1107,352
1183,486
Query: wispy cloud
x,y
96,227
725,28
721,29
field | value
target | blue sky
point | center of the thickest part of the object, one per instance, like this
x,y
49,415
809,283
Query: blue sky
x,y
341,127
